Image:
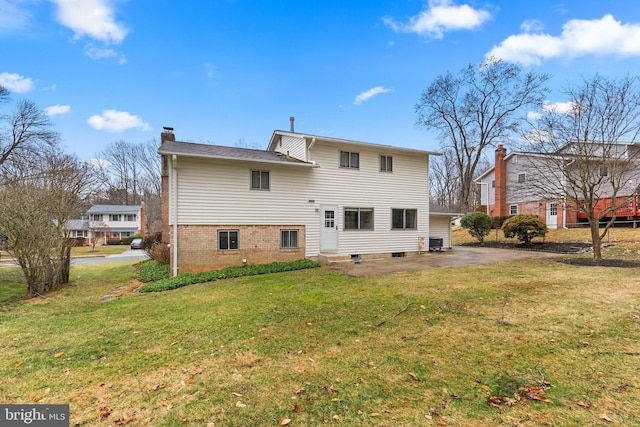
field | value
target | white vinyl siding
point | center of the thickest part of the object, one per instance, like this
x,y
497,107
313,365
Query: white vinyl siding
x,y
292,146
439,227
215,192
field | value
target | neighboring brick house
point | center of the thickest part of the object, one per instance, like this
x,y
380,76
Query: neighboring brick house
x,y
108,222
515,185
305,196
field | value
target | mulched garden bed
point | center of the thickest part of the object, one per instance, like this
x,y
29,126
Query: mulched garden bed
x,y
562,248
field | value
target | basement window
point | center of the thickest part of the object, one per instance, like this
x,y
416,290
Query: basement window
x,y
227,240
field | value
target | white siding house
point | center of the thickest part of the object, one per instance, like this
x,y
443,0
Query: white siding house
x,y
305,196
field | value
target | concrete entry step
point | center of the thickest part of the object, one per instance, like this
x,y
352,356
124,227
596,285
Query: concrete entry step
x,y
328,258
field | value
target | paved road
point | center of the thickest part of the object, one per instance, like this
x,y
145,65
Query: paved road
x,y
128,255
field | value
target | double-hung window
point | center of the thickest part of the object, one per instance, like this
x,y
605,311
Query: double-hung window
x,y
349,159
227,240
288,239
513,210
130,217
114,217
521,178
358,218
95,217
259,180
386,164
404,219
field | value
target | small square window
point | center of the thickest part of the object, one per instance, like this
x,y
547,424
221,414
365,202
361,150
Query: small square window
x,y
386,164
349,159
521,178
227,240
493,183
404,219
259,180
513,210
288,239
604,170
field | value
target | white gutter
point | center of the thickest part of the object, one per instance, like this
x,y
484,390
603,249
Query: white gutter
x,y
174,203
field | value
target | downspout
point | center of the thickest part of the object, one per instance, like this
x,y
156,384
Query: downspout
x,y
174,203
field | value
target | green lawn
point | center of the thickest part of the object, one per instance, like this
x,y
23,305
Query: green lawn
x,y
531,343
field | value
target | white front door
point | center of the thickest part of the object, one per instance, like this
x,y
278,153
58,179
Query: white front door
x,y
552,215
328,228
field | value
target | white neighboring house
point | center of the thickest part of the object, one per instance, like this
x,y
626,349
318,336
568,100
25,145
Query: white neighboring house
x,y
305,196
107,222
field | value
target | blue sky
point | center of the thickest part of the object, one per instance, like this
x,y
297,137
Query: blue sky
x,y
229,72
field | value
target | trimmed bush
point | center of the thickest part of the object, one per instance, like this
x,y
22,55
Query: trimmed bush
x,y
478,224
524,228
226,273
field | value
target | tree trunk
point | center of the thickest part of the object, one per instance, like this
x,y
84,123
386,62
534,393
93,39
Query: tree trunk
x,y
595,238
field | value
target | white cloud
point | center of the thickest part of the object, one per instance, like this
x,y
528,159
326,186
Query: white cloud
x,y
441,16
364,96
579,37
117,121
532,26
57,110
91,18
94,52
13,16
99,163
16,83
566,108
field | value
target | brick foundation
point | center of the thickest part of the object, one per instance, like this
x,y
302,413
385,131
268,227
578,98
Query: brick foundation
x,y
257,244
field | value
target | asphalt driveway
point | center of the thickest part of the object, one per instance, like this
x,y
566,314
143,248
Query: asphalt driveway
x,y
456,257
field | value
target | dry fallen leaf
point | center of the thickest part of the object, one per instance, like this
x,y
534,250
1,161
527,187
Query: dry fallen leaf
x,y
18,364
298,369
605,418
414,376
104,413
581,403
240,404
284,421
59,354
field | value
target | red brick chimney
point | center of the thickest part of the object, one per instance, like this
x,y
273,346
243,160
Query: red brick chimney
x,y
501,182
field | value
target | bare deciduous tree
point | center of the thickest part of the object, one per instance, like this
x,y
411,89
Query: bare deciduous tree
x,y
475,109
97,228
590,156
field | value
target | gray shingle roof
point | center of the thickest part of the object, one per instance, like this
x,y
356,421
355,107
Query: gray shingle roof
x,y
435,209
230,153
114,209
77,224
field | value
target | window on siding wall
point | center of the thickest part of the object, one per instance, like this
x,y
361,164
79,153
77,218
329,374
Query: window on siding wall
x,y
493,183
259,180
513,210
521,178
114,217
96,217
386,164
227,240
358,218
130,217
349,159
288,238
404,219
604,170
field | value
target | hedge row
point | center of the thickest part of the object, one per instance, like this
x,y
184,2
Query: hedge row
x,y
226,273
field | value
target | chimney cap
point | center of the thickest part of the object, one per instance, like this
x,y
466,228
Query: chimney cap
x,y
167,128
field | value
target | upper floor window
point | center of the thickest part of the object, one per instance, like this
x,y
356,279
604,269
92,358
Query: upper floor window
x,y
386,164
114,217
404,218
95,217
130,217
493,183
349,159
259,180
521,178
604,170
358,218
